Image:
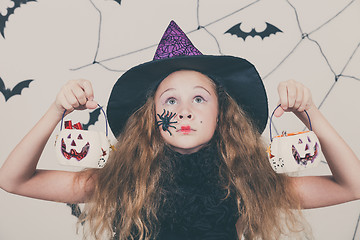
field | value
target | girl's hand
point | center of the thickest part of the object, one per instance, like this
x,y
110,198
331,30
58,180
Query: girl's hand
x,y
293,96
75,94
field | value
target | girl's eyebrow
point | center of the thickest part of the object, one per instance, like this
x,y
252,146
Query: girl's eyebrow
x,y
202,88
169,89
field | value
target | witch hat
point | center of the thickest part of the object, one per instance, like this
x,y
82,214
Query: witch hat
x,y
176,52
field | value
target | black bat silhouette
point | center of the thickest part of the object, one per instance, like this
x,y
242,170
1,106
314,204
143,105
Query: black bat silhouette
x,y
8,93
75,210
236,30
94,117
4,19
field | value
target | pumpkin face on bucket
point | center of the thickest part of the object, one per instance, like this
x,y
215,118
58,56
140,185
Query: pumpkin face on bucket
x,y
76,146
82,148
306,150
294,152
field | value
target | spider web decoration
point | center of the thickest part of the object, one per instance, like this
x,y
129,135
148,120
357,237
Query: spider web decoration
x,y
175,43
304,36
356,232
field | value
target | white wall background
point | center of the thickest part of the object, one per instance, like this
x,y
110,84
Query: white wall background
x,y
53,41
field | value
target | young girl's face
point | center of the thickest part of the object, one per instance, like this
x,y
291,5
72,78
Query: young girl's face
x,y
192,98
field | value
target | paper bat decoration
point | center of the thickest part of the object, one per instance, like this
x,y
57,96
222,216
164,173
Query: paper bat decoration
x,y
236,30
4,19
94,117
75,210
8,93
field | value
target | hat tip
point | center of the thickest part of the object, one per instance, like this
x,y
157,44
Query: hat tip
x,y
174,42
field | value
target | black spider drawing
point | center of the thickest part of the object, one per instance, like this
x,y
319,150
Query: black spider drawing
x,y
165,121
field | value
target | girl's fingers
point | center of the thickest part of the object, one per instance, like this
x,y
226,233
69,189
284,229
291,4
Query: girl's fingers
x,y
76,94
85,94
71,98
63,104
282,90
79,94
293,96
279,112
287,94
299,96
306,101
87,87
91,104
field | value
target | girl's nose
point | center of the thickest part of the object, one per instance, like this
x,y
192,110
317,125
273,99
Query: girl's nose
x,y
186,116
185,113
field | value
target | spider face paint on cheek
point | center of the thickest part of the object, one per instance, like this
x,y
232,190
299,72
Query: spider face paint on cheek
x,y
165,121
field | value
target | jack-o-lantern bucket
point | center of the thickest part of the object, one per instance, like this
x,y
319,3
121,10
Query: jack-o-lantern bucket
x,y
292,152
82,148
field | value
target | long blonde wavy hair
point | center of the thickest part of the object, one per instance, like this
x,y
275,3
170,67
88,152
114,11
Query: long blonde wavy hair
x,y
127,193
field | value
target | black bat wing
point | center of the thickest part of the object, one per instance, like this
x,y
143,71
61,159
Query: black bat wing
x,y
270,29
118,1
3,90
94,117
4,19
16,90
20,86
235,30
2,85
75,209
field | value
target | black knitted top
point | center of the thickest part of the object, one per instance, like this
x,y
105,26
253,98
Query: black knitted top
x,y
195,207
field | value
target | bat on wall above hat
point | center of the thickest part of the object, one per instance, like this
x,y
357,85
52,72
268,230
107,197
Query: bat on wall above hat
x,y
236,30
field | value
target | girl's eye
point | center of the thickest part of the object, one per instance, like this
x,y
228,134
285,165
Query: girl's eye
x,y
199,99
171,101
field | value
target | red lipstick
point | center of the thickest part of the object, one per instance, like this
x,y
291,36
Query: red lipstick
x,y
185,129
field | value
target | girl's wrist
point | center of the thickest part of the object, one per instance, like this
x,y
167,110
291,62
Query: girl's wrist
x,y
312,113
54,110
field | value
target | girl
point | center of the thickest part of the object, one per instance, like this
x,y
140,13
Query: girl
x,y
189,162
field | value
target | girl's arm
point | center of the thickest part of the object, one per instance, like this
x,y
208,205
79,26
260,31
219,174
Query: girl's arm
x,y
320,191
19,175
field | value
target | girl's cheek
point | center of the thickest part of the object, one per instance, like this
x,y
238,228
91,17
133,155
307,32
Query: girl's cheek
x,y
162,106
170,108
